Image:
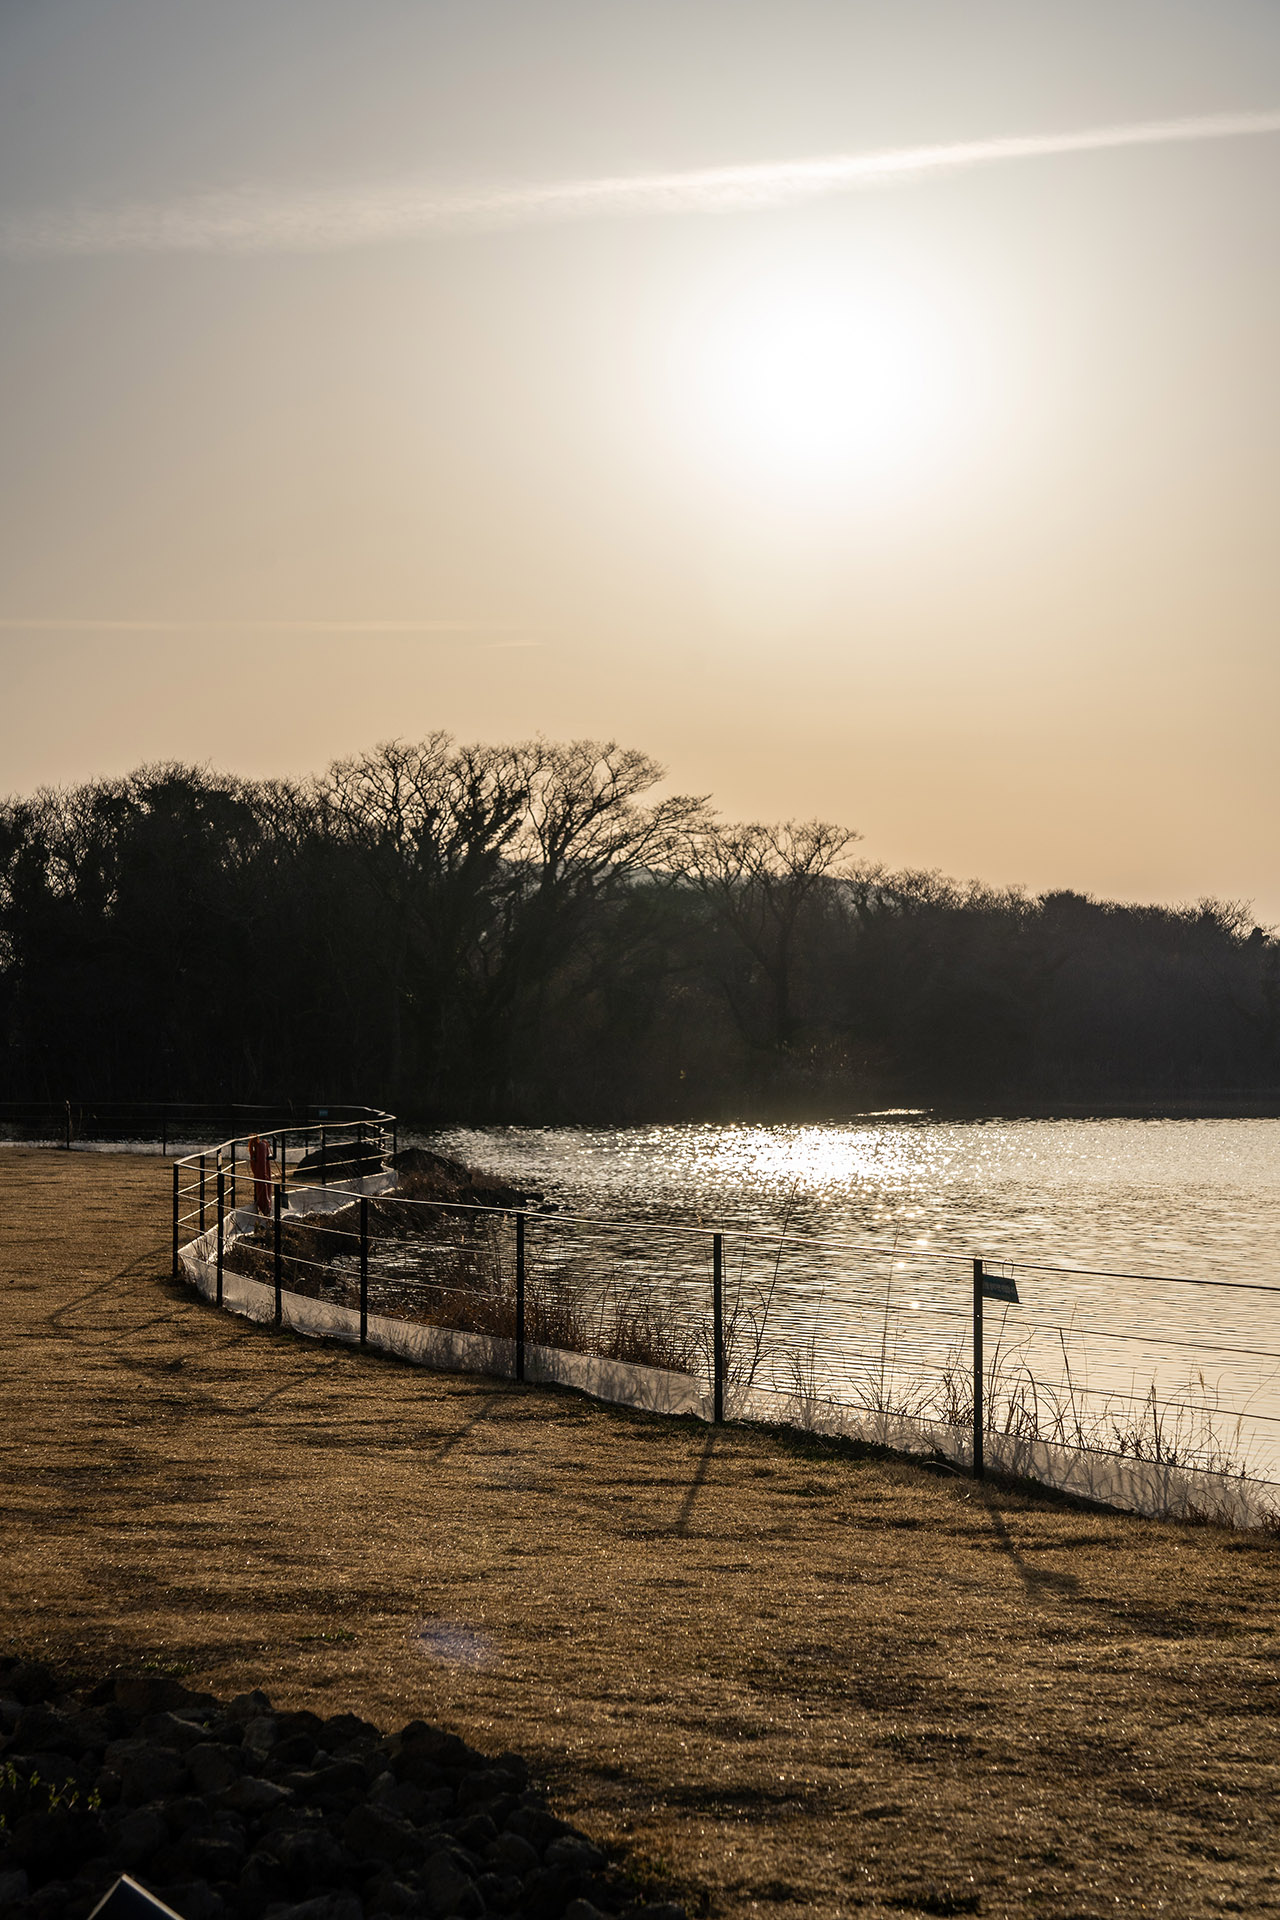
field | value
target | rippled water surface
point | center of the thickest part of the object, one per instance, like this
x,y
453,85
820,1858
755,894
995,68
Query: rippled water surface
x,y
1168,1196
877,1206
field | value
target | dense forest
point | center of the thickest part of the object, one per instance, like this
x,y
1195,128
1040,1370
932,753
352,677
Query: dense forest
x,y
524,933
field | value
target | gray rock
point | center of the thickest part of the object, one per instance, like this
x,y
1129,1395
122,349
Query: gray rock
x,y
390,1897
476,1833
203,1856
512,1850
310,1857
29,1681
404,1800
141,1833
262,1881
570,1851
98,1727
13,1888
194,1900
260,1735
325,1906
187,1813
500,1891
45,1729
535,1824
250,1795
448,1888
342,1728
157,1693
374,1833
266,1815
170,1730
50,1900
107,1786
249,1706
212,1766
151,1773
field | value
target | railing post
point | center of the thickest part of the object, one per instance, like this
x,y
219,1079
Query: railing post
x,y
202,1193
717,1328
519,1296
221,1214
979,1466
176,1175
277,1262
233,1176
68,1105
282,1185
364,1271
324,1156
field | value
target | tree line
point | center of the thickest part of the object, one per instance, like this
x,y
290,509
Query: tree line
x,y
524,933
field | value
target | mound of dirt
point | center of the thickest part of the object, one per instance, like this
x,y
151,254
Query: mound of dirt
x,y
425,1175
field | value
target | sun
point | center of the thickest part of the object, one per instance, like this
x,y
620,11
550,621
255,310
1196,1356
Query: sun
x,y
824,381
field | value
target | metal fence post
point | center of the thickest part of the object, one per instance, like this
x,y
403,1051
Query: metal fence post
x,y
277,1262
519,1296
176,1176
717,1328
283,1183
221,1212
233,1176
979,1468
324,1156
68,1126
364,1271
202,1193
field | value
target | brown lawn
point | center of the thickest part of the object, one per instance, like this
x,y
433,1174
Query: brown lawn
x,y
784,1680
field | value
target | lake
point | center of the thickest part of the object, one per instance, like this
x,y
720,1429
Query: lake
x,y
1099,1222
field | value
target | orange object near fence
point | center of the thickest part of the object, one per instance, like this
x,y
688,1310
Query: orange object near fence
x,y
260,1165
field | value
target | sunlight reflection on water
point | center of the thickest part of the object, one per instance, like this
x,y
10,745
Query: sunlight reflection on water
x,y
1194,1198
1174,1196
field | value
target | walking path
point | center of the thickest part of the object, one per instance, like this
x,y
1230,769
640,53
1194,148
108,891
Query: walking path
x,y
785,1678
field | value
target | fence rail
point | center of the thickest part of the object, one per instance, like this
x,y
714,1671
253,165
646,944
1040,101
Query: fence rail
x,y
1020,1366
163,1123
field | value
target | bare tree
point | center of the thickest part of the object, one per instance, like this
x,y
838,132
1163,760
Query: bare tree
x,y
761,883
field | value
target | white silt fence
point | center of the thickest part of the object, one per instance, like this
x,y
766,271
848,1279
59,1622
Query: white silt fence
x,y
651,1389
1148,1487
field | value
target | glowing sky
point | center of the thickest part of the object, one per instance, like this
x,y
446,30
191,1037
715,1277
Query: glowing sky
x,y
870,410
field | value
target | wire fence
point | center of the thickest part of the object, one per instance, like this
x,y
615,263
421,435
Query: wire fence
x,y
1147,1390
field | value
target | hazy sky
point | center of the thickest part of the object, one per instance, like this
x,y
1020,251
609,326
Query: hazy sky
x,y
367,369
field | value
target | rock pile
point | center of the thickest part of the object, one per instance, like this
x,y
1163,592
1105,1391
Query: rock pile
x,y
239,1810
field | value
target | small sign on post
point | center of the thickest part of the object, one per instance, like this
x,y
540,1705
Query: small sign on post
x,y
986,1286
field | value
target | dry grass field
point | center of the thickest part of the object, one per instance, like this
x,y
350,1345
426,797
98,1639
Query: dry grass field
x,y
783,1680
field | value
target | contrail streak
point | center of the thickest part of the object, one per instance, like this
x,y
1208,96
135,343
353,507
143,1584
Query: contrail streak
x,y
42,624
255,221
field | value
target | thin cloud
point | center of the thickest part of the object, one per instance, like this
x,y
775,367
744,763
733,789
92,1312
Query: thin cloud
x,y
17,624
256,221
